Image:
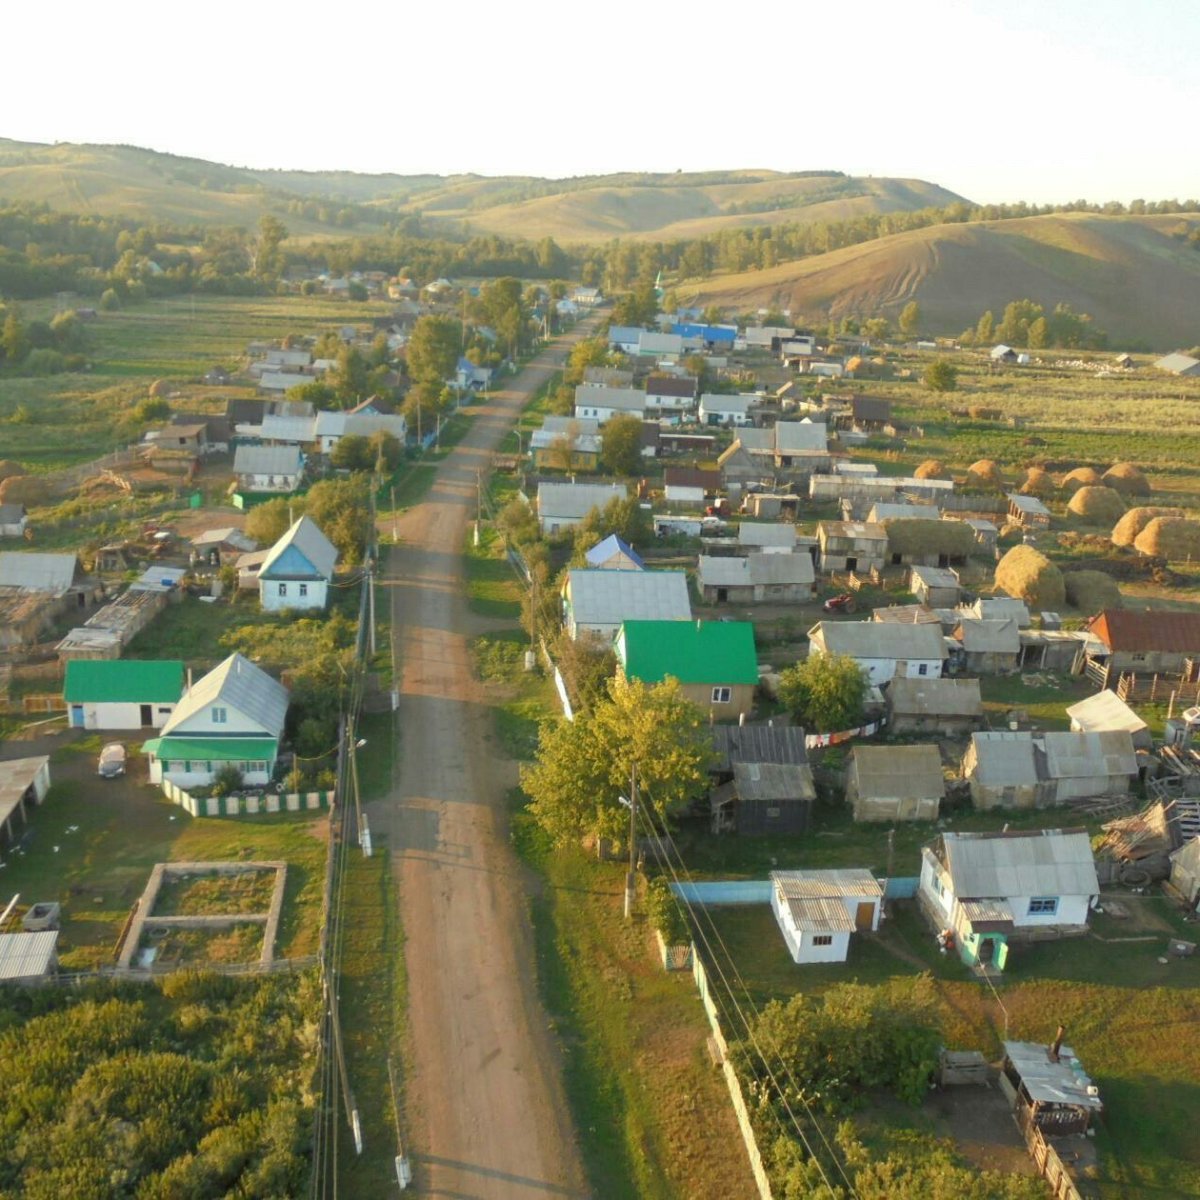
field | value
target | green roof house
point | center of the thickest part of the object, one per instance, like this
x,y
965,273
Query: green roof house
x,y
121,693
714,661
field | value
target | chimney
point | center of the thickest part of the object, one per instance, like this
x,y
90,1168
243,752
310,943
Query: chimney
x,y
1056,1045
189,678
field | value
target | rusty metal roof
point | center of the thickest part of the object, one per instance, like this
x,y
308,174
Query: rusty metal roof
x,y
1166,632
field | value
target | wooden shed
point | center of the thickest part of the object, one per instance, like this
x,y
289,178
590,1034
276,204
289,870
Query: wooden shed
x,y
895,783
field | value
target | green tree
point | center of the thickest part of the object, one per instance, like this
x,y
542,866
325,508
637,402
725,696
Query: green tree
x,y
1013,330
1039,334
592,352
266,523
583,766
386,451
14,341
317,392
941,376
268,254
432,351
621,448
985,329
109,300
825,692
622,515
910,318
352,453
340,508
877,329
350,378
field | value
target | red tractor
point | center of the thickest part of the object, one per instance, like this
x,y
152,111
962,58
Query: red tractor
x,y
840,604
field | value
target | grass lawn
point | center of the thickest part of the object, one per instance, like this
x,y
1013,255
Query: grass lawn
x,y
492,586
94,842
1044,702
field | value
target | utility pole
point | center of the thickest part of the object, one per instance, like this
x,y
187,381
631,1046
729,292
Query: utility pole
x,y
631,877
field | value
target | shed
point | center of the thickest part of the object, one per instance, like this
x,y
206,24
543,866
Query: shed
x,y
757,742
1028,511
817,911
851,545
122,694
1185,871
767,536
895,783
28,958
764,798
950,707
268,468
1049,1087
988,647
596,601
936,586
24,782
1106,711
757,579
1082,765
562,506
1179,364
38,572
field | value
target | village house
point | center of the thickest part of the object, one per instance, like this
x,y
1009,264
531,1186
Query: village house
x,y
624,338
566,444
817,911
602,403
670,396
562,506
470,377
595,601
988,888
767,537
762,781
757,579
298,570
612,377
883,650
738,468
714,661
798,447
331,427
937,587
1027,770
1143,643
268,469
220,546
990,647
726,410
233,715
851,546
948,707
662,347
121,694
614,554
689,487
1105,712
895,783
14,520
987,535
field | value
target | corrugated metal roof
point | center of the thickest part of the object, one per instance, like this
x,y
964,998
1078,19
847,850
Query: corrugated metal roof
x,y
710,403
122,681
591,395
756,569
869,531
1030,506
1130,630
843,881
1004,759
600,597
989,637
758,743
704,652
988,608
307,537
17,775
27,955
886,771
760,441
935,577
267,460
935,697
291,429
607,377
797,437
1080,755
893,510
764,533
37,572
1062,1082
240,684
773,781
882,639
989,911
569,425
906,614
818,915
612,547
1178,363
1044,862
575,500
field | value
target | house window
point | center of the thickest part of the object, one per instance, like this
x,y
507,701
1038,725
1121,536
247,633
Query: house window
x,y
283,589
256,766
304,589
220,716
722,695
923,669
823,939
1043,906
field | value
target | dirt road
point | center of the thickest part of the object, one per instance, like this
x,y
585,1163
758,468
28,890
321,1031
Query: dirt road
x,y
486,1113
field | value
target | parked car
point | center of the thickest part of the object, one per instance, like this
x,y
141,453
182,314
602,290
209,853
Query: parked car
x,y
112,761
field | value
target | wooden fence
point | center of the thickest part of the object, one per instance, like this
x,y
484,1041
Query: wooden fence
x,y
1046,1158
250,804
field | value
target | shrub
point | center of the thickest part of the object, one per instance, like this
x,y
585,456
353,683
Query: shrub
x,y
109,300
227,779
663,911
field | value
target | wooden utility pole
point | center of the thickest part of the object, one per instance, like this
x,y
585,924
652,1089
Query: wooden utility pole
x,y
631,877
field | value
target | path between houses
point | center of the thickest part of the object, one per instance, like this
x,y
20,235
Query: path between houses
x,y
486,1113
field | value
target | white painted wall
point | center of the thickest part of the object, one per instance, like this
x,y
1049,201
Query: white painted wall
x,y
1072,910
200,776
202,724
124,716
277,594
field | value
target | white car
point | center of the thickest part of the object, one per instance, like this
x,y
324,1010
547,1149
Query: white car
x,y
112,761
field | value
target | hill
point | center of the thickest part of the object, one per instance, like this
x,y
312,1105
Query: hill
x,y
1139,282
148,185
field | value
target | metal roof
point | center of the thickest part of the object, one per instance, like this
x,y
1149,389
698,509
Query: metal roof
x,y
575,500
305,536
712,403
935,697
607,377
590,395
773,781
1105,711
267,460
122,681
600,597
1031,506
988,608
986,912
989,637
612,547
1178,363
796,437
1082,755
764,533
212,749
569,425
1004,759
907,614
758,743
1062,1082
935,577
881,639
866,531
671,385
816,900
36,572
893,510
703,652
1128,629
27,955
1041,862
240,684
17,775
760,569
885,771
289,429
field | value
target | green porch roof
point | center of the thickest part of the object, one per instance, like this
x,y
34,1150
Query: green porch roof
x,y
123,681
716,652
202,749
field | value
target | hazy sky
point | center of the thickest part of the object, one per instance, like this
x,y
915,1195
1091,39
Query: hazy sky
x,y
1045,100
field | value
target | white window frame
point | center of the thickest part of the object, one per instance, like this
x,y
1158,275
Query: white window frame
x,y
722,695
303,590
283,589
1043,906
220,715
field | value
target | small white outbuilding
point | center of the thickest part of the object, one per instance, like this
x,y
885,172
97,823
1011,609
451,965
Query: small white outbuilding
x,y
817,911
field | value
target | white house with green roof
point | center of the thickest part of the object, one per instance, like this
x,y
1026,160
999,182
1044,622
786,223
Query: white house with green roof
x,y
122,693
235,714
714,661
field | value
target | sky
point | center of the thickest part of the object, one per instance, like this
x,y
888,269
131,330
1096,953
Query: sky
x,y
1040,100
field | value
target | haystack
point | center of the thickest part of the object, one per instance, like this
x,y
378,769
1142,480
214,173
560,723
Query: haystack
x,y
1097,505
1072,481
1091,591
1038,482
931,468
917,539
1030,576
985,475
25,489
1171,538
1125,531
160,389
10,469
1125,478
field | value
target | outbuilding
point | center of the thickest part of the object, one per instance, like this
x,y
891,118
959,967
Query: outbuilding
x,y
122,693
24,782
936,586
757,579
817,911
28,958
950,707
895,783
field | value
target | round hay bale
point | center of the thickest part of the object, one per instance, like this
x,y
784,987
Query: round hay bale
x,y
10,469
1072,481
1125,531
1171,538
1125,478
931,468
1091,591
160,389
986,475
1038,482
24,489
1030,576
1097,505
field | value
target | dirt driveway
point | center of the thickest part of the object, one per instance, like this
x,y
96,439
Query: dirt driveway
x,y
486,1113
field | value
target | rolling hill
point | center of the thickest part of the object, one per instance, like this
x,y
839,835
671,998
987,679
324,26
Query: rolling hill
x,y
1140,283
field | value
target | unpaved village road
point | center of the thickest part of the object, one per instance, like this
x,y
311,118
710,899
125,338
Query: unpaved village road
x,y
486,1113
